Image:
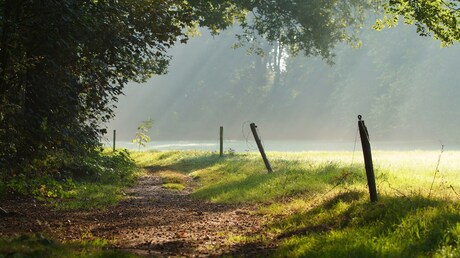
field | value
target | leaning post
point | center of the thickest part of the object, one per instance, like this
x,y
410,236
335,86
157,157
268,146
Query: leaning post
x,y
261,148
114,139
221,141
364,135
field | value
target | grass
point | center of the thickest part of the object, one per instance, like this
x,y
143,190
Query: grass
x,y
103,190
172,186
172,180
103,186
40,246
316,204
91,195
95,181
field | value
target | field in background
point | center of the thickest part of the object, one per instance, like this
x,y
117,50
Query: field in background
x,y
316,204
249,145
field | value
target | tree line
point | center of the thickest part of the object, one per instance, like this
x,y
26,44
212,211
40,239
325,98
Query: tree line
x,y
405,86
63,64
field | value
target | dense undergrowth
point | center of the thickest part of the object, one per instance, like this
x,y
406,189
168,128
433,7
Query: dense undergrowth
x,y
316,204
93,181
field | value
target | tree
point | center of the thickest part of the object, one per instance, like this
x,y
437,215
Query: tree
x,y
63,63
142,137
439,18
302,26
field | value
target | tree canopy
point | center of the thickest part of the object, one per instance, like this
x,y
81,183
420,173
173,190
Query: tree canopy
x,y
439,18
64,62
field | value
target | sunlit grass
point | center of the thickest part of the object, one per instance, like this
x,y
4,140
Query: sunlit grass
x,y
243,177
91,195
95,194
316,204
171,177
172,186
349,226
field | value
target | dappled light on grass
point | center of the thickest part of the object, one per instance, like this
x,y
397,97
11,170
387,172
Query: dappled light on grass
x,y
353,227
90,196
243,177
316,204
257,187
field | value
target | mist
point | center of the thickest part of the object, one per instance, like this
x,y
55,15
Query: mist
x,y
405,87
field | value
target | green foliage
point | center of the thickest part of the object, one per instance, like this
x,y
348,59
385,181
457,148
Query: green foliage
x,y
389,80
95,181
109,165
91,195
437,17
103,185
42,188
142,137
309,27
64,63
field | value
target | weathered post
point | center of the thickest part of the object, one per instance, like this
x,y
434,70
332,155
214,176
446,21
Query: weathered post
x,y
364,135
221,141
261,148
114,138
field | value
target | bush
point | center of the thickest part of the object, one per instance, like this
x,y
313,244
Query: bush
x,y
55,176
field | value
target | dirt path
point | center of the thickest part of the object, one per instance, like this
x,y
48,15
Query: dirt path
x,y
152,221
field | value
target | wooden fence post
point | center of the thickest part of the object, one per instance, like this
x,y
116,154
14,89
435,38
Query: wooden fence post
x,y
114,138
221,141
261,148
364,135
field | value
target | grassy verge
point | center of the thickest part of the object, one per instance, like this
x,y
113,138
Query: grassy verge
x,y
93,182
316,203
39,246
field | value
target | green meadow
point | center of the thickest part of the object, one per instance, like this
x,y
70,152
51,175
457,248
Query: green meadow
x,y
316,204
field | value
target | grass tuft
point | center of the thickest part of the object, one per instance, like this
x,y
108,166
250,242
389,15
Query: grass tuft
x,y
172,180
171,186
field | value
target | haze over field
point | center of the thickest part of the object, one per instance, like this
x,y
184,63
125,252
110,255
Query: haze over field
x,y
405,86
